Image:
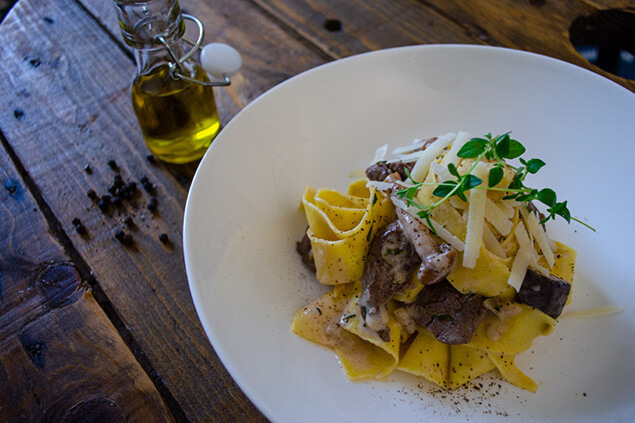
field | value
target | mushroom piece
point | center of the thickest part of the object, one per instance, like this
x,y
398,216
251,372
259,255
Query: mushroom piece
x,y
438,258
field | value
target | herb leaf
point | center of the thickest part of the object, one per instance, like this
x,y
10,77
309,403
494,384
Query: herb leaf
x,y
495,176
534,165
547,196
508,148
473,148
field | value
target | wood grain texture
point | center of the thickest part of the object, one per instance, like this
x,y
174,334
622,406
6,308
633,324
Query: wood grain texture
x,y
74,110
367,25
537,26
61,359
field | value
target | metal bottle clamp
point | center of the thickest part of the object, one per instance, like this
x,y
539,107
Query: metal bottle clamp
x,y
176,67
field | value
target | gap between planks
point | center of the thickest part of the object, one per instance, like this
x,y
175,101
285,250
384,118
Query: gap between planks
x,y
87,276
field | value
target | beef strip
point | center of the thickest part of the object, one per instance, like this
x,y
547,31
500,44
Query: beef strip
x,y
546,293
438,258
303,247
389,267
452,317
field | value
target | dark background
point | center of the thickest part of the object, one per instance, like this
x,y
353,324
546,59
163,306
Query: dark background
x,y
5,5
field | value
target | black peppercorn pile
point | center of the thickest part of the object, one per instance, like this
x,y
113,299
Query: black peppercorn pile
x,y
121,199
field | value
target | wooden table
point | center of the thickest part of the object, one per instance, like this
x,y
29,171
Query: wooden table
x,y
94,330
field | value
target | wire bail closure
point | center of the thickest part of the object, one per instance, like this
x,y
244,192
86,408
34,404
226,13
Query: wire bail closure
x,y
176,67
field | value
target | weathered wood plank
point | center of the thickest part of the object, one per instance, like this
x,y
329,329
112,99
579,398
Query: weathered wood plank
x,y
73,110
537,26
344,28
60,356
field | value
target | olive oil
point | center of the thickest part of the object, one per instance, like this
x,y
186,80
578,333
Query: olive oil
x,y
178,119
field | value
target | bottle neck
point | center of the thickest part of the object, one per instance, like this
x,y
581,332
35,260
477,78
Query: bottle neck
x,y
151,58
141,22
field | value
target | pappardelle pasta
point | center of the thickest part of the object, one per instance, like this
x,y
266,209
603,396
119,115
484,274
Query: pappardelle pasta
x,y
440,263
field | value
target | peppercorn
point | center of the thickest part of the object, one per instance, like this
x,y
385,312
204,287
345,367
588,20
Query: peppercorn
x,y
123,237
79,227
152,205
91,194
164,238
88,169
113,164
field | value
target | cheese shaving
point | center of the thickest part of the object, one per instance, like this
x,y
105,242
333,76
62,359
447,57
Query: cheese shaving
x,y
491,243
416,144
475,219
539,235
420,170
461,138
441,171
519,268
380,154
497,217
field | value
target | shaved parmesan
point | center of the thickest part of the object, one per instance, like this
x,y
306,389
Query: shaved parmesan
x,y
408,158
461,138
380,186
416,144
475,219
380,154
508,207
441,171
533,265
539,235
519,268
457,203
523,238
491,243
497,217
420,170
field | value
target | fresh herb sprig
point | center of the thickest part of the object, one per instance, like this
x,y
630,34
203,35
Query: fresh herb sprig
x,y
494,149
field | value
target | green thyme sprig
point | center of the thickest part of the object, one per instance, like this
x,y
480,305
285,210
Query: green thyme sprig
x,y
494,149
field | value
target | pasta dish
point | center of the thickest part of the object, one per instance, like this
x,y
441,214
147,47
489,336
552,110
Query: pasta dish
x,y
439,261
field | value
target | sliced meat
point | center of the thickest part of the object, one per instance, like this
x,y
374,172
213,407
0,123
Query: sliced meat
x,y
438,258
381,170
452,317
546,293
389,267
303,247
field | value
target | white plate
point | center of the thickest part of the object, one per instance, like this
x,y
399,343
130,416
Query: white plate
x,y
242,221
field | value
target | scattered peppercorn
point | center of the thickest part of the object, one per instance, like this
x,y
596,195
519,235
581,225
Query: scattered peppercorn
x,y
104,203
91,194
152,205
123,237
147,185
116,201
79,227
128,221
88,169
18,114
113,164
164,238
150,158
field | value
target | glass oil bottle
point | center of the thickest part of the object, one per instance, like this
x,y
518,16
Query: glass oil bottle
x,y
171,94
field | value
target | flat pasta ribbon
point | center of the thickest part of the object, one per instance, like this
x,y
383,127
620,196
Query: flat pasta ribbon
x,y
341,228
